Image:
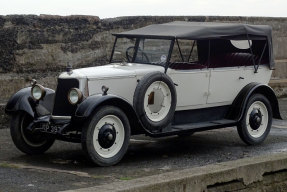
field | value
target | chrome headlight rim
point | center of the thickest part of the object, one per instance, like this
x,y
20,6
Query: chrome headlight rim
x,y
79,94
41,89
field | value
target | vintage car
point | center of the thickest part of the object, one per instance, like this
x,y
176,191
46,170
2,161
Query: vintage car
x,y
165,79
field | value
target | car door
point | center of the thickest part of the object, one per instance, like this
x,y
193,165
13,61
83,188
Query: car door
x,y
191,87
232,68
225,84
190,75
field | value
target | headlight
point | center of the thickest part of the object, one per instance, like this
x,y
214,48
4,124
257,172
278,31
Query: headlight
x,y
75,96
38,92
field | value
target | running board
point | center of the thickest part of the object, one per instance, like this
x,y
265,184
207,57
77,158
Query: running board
x,y
193,127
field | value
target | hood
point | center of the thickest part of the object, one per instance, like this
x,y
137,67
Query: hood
x,y
112,71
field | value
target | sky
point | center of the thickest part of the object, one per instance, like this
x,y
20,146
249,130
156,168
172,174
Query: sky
x,y
115,8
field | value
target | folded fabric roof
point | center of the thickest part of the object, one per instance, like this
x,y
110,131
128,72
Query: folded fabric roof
x,y
203,30
197,30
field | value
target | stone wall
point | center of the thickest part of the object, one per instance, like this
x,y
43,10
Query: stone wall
x,y
41,46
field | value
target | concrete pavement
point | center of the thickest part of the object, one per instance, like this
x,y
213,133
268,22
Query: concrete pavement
x,y
262,173
64,166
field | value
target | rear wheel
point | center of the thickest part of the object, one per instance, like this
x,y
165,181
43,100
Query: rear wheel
x,y
24,139
257,120
105,138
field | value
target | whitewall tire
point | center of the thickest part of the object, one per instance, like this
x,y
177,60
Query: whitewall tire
x,y
105,137
257,120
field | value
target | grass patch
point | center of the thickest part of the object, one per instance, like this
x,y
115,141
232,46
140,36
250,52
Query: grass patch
x,y
98,176
7,165
125,178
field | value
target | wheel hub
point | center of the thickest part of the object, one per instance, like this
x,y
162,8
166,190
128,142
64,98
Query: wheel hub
x,y
107,136
255,119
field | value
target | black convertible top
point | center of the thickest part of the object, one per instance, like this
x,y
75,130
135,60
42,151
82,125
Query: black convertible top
x,y
204,30
197,30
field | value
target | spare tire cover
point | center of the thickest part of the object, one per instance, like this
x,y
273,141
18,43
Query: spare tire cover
x,y
155,100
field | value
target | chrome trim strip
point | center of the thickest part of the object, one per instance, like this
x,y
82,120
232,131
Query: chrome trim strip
x,y
61,117
111,77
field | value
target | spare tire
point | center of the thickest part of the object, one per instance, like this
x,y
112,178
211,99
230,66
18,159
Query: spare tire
x,y
155,100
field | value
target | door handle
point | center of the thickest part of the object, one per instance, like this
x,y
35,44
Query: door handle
x,y
241,77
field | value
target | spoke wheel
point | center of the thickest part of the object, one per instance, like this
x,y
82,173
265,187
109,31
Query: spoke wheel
x,y
257,120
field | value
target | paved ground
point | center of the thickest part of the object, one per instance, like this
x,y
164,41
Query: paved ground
x,y
64,166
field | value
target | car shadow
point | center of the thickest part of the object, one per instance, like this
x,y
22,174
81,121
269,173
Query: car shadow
x,y
146,153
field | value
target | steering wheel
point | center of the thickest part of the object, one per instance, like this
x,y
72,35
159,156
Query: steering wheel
x,y
130,57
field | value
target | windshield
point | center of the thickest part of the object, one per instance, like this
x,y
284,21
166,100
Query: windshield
x,y
154,51
123,50
145,51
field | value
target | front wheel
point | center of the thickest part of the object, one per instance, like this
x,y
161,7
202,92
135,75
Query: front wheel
x,y
25,140
105,137
257,120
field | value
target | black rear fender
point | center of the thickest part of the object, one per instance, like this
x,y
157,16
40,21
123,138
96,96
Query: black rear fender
x,y
238,106
23,101
91,104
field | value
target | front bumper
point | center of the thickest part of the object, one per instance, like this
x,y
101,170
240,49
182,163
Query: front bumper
x,y
60,128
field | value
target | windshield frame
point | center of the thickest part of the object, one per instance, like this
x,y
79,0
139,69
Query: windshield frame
x,y
138,39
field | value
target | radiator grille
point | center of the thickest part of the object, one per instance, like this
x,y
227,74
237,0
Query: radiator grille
x,y
62,107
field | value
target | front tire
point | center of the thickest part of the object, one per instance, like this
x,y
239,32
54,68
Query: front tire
x,y
26,141
105,137
257,120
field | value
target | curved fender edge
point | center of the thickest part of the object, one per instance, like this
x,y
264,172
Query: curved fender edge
x,y
23,101
90,105
239,104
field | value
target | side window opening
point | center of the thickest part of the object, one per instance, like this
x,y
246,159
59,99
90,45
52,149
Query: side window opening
x,y
237,53
184,51
185,55
241,44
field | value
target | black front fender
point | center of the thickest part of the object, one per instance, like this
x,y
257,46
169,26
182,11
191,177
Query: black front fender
x,y
238,106
89,105
92,103
23,101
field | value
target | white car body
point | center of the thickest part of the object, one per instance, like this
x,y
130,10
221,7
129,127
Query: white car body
x,y
201,88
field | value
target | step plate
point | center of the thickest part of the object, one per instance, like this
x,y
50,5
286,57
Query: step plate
x,y
192,127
